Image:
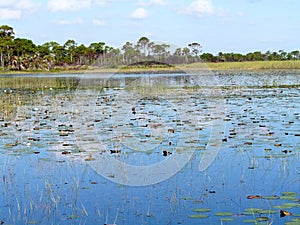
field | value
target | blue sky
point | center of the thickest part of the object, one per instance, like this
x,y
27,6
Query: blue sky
x,y
219,25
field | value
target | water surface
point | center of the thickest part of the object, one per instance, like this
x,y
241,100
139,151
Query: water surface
x,y
150,149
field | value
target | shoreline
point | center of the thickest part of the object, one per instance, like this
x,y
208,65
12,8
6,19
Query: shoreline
x,y
220,67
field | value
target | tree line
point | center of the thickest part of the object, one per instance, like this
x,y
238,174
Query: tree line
x,y
24,54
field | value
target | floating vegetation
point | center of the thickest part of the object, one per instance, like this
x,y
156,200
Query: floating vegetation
x,y
198,216
293,222
274,197
287,193
250,221
32,222
262,218
268,211
288,197
223,214
226,219
53,138
201,210
288,205
252,211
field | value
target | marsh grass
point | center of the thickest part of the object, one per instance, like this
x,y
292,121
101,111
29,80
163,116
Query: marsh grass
x,y
18,91
176,68
256,65
36,82
152,91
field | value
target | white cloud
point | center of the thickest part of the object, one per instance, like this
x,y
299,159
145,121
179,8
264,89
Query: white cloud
x,y
15,9
68,5
143,3
74,5
201,8
70,22
100,23
10,14
139,13
158,2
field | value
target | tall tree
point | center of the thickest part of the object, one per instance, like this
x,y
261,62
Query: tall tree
x,y
81,53
70,47
196,48
161,51
23,46
142,44
186,52
207,57
6,32
295,54
6,40
283,54
130,53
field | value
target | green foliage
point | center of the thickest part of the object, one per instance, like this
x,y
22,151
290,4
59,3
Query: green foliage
x,y
23,54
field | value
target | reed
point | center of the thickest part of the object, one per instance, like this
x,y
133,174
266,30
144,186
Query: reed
x,y
256,65
177,68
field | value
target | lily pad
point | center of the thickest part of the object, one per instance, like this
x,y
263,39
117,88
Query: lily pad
x,y
198,216
291,198
290,204
294,222
32,222
223,214
249,221
226,219
285,206
268,211
289,193
271,197
253,210
262,218
202,210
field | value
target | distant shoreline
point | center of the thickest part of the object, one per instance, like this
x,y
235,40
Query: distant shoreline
x,y
220,66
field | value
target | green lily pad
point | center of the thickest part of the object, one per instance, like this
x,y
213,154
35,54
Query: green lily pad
x,y
287,206
198,216
268,211
271,197
223,214
249,221
226,219
290,205
289,193
262,218
32,222
291,198
253,210
294,222
284,206
202,210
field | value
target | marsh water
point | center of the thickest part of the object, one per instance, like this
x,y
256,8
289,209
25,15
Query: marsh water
x,y
211,148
